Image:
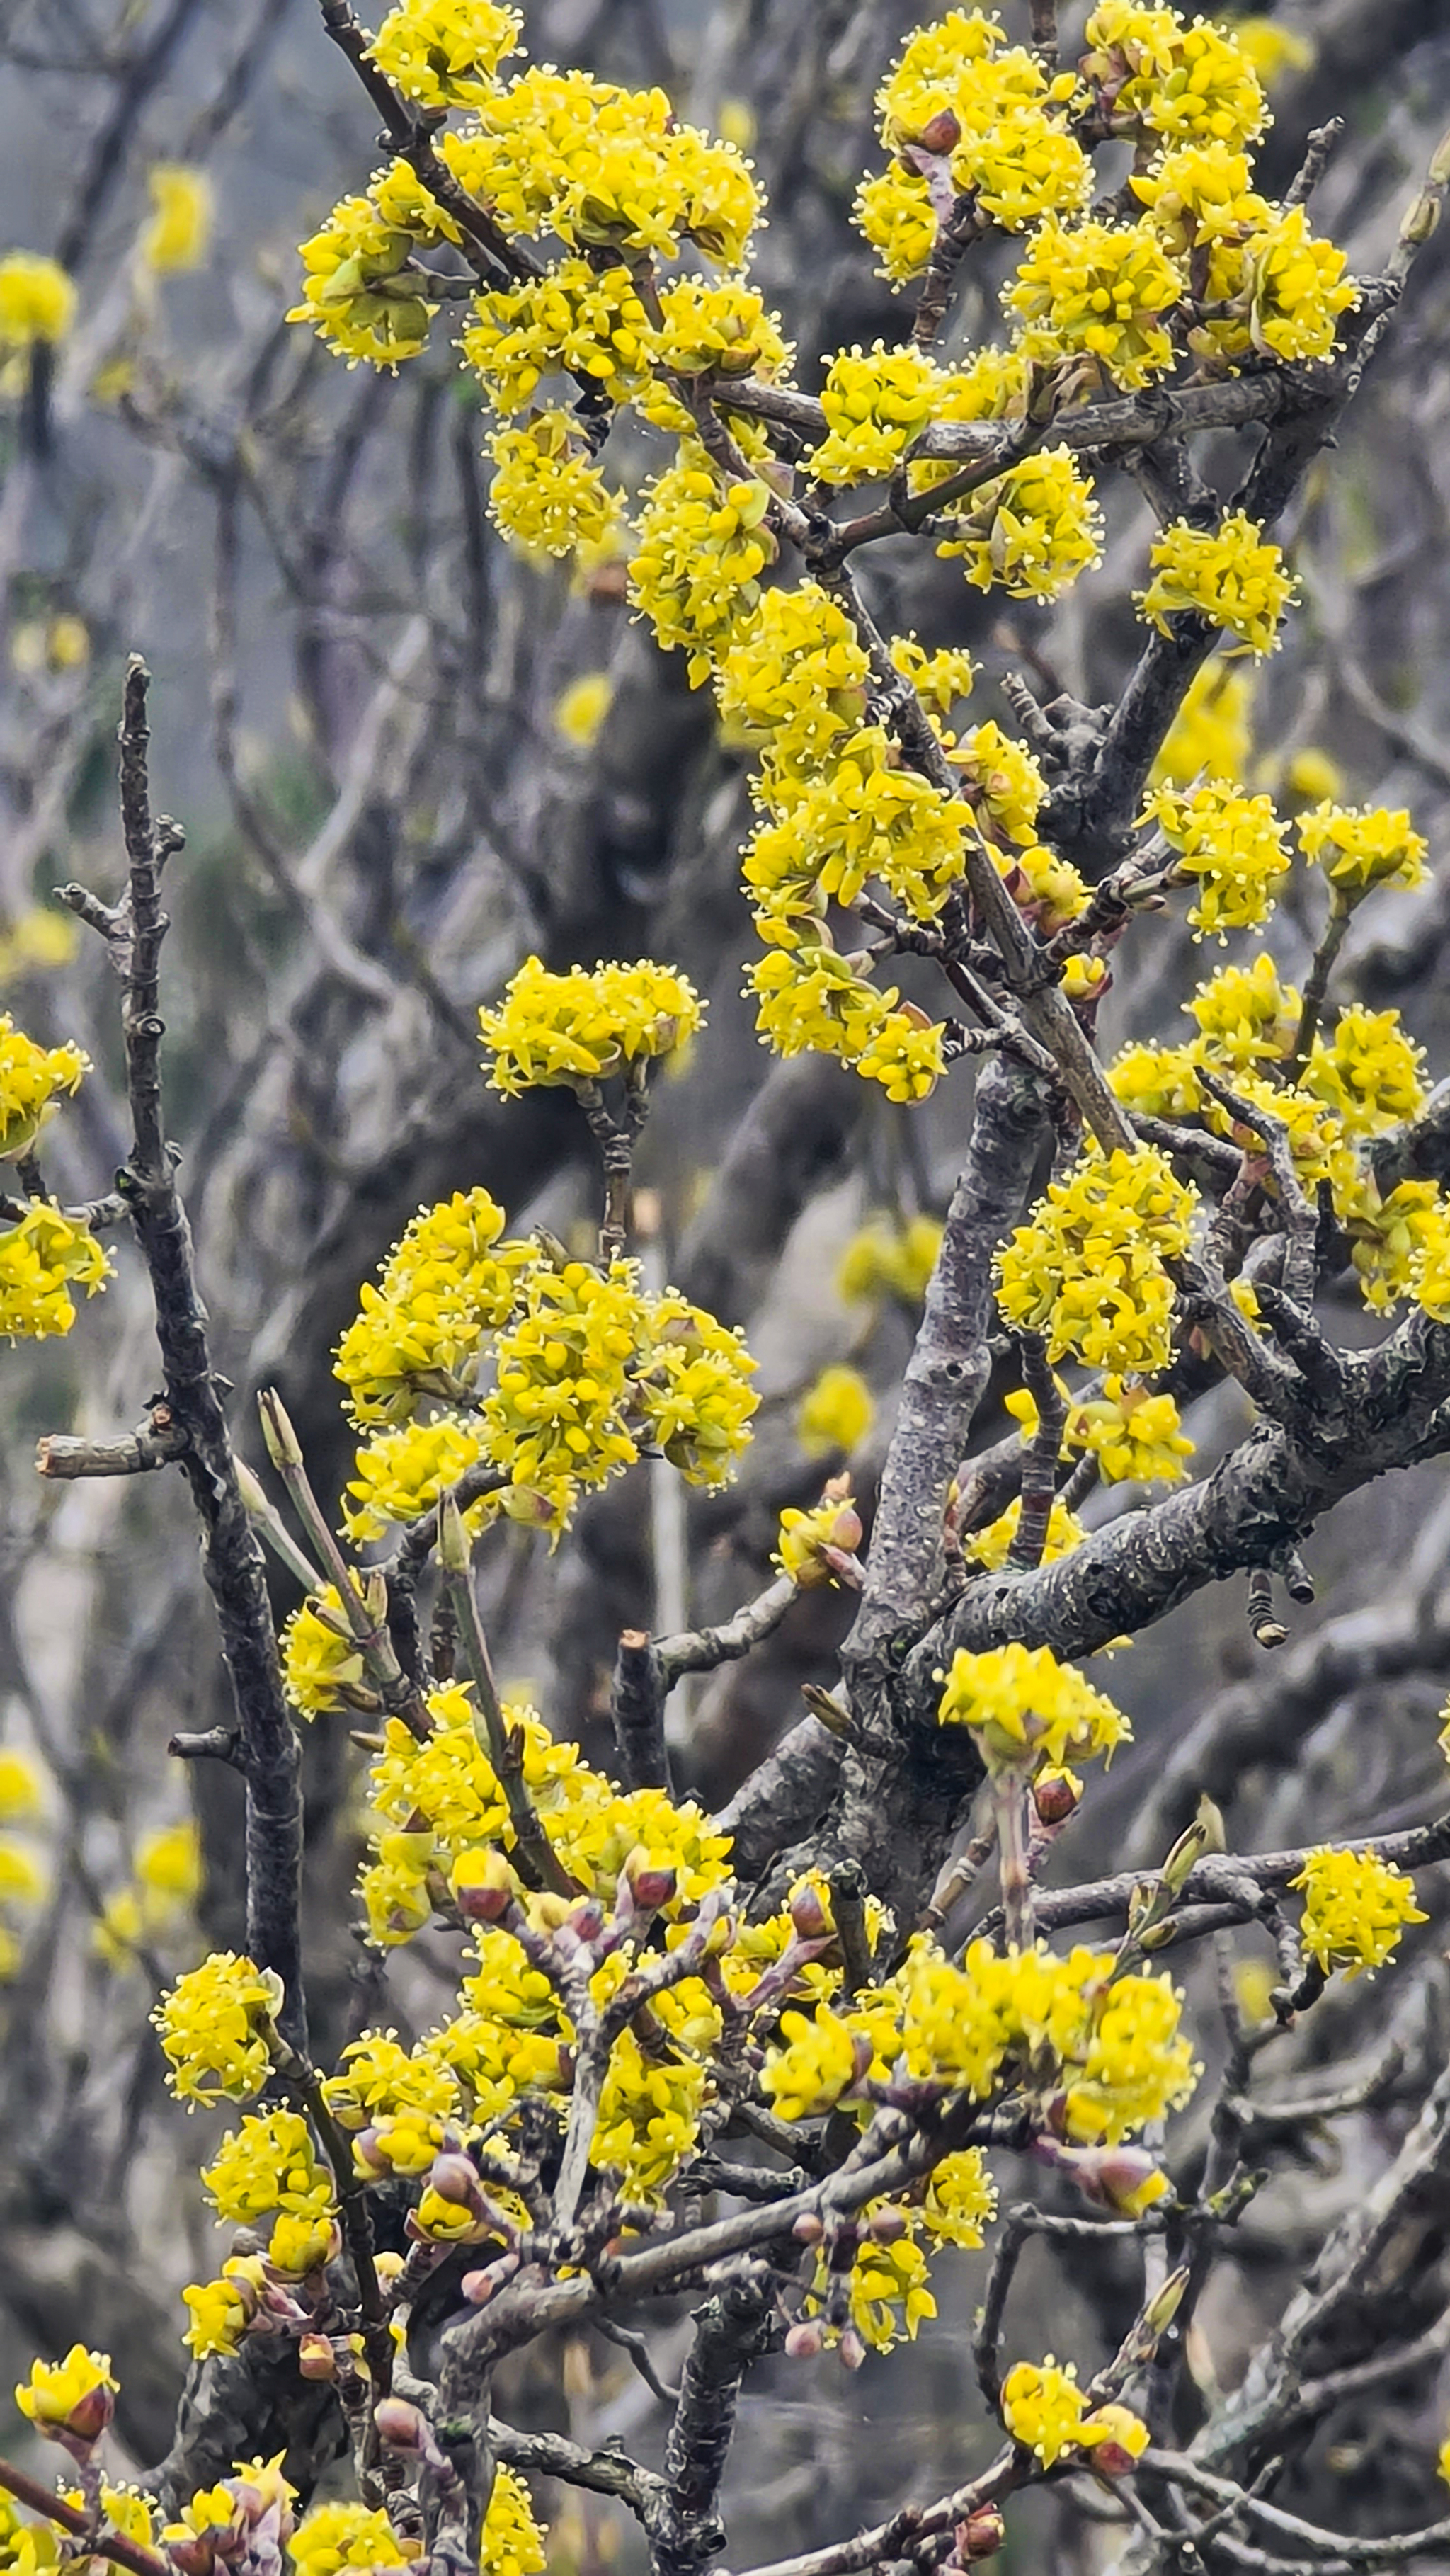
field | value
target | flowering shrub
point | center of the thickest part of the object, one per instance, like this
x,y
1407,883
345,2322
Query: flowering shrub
x,y
618,1987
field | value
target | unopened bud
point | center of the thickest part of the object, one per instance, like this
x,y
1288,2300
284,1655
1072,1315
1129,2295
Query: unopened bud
x,y
1163,2307
886,2227
804,2341
455,2179
399,2425
981,2535
853,2350
808,2229
88,2418
283,1446
253,1493
315,2357
808,1914
452,1537
1056,1796
483,1885
1182,1859
478,2288
942,134
652,1883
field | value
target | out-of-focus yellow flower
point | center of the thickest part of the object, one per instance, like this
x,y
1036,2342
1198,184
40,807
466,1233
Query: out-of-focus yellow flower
x,y
580,710
836,1412
37,300
178,233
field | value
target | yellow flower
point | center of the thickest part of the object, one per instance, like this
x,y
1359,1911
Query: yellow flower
x,y
1043,2408
21,1780
886,1259
1137,2063
1135,1435
1182,82
875,404
836,1412
399,1475
74,2396
337,2536
1232,575
795,676
39,1258
546,490
1029,1708
834,1523
362,292
1355,1908
37,300
1088,1270
1100,291
321,1664
179,230
1271,48
219,2318
31,1077
1359,846
214,2026
447,1283
991,1547
268,2163
512,2543
1232,843
572,320
444,53
961,2199
701,545
1031,532
584,1027
580,710
823,2058
1210,734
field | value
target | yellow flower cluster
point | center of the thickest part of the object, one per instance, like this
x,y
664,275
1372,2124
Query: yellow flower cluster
x,y
37,300
1112,2047
866,816
444,53
1030,533
833,1523
214,2027
40,1258
1159,77
876,402
547,494
1232,575
574,319
991,1547
995,121
1362,846
702,545
1210,735
362,292
1233,844
399,1475
835,1413
811,998
443,1289
794,678
179,230
159,1898
1136,1436
1044,2409
1355,1908
1028,1709
73,2396
1087,1271
31,1077
583,1027
336,2537
1100,292
887,1259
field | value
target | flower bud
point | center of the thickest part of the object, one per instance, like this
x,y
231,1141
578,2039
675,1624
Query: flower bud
x,y
808,1914
399,2425
804,2341
887,2227
942,133
808,2229
478,2288
652,1883
981,2535
455,2178
283,1446
853,2350
315,2357
1055,1797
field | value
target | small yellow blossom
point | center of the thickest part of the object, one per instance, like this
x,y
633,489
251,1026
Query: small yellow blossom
x,y
179,231
1031,532
1233,844
580,710
37,300
1362,846
836,1412
583,1027
214,2025
31,1078
444,53
1029,1708
1232,575
74,2396
1100,291
1355,1908
335,2537
1088,1270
